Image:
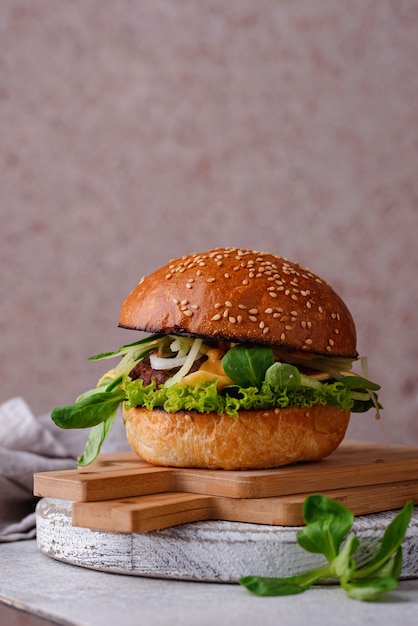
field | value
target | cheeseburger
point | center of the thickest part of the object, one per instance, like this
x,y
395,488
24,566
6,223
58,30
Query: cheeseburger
x,y
247,364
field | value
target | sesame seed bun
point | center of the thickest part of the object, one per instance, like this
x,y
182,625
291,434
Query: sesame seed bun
x,y
242,296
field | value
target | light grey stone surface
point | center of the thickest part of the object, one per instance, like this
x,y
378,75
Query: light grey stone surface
x,y
75,596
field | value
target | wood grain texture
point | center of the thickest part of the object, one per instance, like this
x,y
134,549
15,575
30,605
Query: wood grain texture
x,y
156,511
124,475
211,551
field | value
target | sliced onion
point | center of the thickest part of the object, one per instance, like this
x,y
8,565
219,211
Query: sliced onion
x,y
190,359
160,363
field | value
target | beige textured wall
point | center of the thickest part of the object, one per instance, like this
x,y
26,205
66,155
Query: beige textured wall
x,y
134,132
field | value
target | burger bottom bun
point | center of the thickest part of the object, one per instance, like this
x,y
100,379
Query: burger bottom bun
x,y
253,440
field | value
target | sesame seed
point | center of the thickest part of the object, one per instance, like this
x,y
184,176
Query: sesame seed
x,y
184,302
239,319
242,306
288,327
273,294
194,306
226,313
294,297
189,286
175,301
229,304
266,329
210,280
245,281
320,309
331,342
308,342
252,318
199,273
303,324
308,305
218,305
226,275
293,313
168,276
232,320
328,348
253,311
261,325
282,337
216,317
276,315
188,313
336,331
268,311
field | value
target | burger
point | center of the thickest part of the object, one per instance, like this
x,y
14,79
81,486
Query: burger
x,y
247,363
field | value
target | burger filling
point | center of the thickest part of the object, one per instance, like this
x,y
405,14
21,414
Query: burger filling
x,y
189,374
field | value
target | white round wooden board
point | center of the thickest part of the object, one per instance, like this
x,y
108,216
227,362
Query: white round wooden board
x,y
211,551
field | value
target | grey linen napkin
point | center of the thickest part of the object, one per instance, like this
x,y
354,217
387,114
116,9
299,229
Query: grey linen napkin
x,y
29,445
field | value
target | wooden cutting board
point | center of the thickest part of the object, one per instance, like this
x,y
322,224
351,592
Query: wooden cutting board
x,y
122,493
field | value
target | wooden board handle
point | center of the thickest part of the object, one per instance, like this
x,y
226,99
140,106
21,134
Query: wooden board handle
x,y
153,512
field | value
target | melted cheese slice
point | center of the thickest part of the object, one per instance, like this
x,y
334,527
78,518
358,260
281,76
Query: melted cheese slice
x,y
210,370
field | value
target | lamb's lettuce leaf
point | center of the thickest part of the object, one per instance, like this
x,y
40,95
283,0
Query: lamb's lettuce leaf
x,y
247,366
328,524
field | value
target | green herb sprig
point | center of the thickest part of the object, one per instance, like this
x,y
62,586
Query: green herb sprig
x,y
328,523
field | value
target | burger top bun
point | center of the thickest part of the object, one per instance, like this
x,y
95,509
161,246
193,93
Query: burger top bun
x,y
242,296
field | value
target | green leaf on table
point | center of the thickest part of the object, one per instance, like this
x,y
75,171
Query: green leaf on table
x,y
326,532
328,522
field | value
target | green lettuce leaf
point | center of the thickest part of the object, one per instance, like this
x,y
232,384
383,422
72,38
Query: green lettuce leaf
x,y
204,397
